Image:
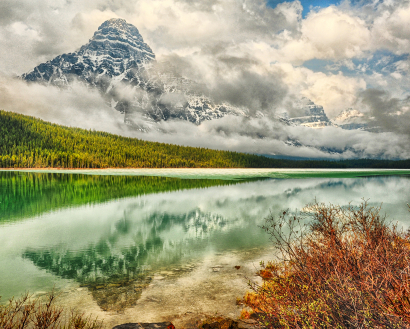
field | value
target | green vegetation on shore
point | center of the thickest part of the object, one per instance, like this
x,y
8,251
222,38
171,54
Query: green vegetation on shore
x,y
27,142
28,194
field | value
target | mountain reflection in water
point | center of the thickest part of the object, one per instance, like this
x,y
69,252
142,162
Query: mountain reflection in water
x,y
110,264
115,247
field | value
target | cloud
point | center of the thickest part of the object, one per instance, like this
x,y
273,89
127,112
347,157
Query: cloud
x,y
389,113
335,92
391,30
75,107
80,107
167,25
327,34
265,136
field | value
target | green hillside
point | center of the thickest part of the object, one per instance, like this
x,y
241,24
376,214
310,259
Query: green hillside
x,y
27,142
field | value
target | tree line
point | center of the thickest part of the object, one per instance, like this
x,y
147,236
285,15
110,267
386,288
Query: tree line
x,y
28,142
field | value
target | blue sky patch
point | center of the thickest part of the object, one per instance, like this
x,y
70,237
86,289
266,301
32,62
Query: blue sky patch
x,y
382,61
307,4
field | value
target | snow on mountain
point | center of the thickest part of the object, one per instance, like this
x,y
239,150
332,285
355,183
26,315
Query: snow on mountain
x,y
116,52
118,62
117,57
351,119
313,115
348,115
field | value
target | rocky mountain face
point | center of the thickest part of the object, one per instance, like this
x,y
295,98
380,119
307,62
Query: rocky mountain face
x,y
116,58
351,119
313,115
117,52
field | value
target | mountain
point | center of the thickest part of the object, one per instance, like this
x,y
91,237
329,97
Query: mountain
x,y
351,119
117,57
117,52
122,66
313,115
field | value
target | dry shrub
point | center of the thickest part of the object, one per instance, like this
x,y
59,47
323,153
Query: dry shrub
x,y
28,313
337,268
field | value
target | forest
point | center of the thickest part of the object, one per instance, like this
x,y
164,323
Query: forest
x,y
28,142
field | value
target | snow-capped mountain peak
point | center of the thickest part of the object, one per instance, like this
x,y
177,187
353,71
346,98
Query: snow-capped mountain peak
x,y
123,41
351,119
312,115
348,114
116,49
117,56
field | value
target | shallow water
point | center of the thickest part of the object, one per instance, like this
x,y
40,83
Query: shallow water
x,y
117,243
228,174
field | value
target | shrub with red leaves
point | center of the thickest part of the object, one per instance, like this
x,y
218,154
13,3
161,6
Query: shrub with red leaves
x,y
337,267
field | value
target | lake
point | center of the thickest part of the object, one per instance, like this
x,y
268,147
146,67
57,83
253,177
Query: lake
x,y
149,245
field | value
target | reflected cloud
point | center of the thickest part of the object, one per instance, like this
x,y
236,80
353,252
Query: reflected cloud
x,y
117,246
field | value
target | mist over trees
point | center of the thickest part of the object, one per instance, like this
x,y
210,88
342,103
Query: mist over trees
x,y
28,142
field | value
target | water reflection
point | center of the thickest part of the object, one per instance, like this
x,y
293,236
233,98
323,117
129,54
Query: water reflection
x,y
25,194
114,247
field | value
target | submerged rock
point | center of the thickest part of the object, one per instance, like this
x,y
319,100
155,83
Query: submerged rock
x,y
159,325
226,323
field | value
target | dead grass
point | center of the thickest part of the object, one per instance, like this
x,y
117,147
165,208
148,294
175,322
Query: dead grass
x,y
338,268
28,313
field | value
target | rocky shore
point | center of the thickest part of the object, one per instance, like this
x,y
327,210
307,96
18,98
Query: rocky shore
x,y
211,323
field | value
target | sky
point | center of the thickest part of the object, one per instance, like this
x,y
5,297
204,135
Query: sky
x,y
307,5
264,55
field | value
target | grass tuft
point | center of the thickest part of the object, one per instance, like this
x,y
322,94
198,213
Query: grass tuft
x,y
28,313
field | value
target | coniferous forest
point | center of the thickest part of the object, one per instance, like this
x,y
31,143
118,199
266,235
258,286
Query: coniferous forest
x,y
27,142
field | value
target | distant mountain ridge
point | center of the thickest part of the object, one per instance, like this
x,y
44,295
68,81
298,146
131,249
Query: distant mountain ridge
x,y
314,115
123,68
351,119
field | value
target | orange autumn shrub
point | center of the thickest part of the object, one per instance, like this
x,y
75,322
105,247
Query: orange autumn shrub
x,y
338,267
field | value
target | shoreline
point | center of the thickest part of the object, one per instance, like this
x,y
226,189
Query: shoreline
x,y
213,168
185,299
221,173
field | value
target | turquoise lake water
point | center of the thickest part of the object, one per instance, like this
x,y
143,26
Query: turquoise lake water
x,y
102,230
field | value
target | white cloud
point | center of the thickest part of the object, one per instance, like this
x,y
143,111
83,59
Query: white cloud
x,y
335,92
76,107
327,34
391,30
84,108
